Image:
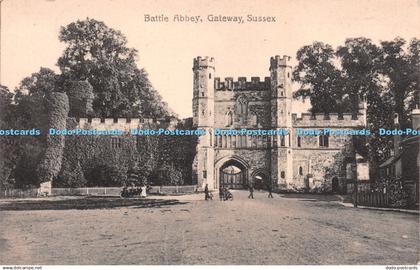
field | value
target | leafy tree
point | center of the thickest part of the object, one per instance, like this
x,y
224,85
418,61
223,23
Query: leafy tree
x,y
414,78
359,62
8,144
319,78
386,76
50,164
100,55
400,69
29,111
31,98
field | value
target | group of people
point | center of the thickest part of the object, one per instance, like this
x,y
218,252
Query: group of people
x,y
225,194
251,192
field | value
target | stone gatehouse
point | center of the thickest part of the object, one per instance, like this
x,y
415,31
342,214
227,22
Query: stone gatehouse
x,y
287,162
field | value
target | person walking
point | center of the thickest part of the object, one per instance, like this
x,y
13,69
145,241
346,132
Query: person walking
x,y
207,193
251,192
270,195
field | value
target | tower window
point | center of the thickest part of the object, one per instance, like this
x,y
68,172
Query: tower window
x,y
282,141
288,74
299,141
300,170
323,140
209,75
202,94
282,174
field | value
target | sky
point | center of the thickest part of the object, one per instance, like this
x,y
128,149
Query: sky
x,y
166,49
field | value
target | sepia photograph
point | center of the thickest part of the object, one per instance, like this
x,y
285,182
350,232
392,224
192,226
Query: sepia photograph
x,y
209,133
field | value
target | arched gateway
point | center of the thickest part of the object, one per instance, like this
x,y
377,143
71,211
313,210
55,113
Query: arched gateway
x,y
232,172
282,161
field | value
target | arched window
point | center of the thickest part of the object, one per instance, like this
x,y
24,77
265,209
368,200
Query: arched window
x,y
299,141
229,118
254,119
242,108
300,170
282,141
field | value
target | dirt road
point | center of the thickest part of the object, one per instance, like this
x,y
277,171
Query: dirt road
x,y
299,230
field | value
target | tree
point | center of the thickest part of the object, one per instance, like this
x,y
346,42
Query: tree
x,y
359,61
386,76
31,96
50,164
100,55
414,77
400,69
319,78
8,144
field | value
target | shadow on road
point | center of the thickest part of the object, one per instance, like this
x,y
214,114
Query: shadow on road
x,y
84,203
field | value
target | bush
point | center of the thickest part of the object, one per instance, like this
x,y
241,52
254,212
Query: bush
x,y
50,164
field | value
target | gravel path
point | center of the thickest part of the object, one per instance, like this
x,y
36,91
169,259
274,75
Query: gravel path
x,y
260,231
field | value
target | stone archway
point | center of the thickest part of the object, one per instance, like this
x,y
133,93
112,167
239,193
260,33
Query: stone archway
x,y
261,179
231,172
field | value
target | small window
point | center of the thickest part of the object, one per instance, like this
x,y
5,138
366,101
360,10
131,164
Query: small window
x,y
288,74
116,142
204,174
299,141
209,75
323,140
202,94
282,141
300,170
282,174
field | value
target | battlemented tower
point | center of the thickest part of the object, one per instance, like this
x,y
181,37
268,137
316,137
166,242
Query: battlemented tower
x,y
281,108
203,117
289,161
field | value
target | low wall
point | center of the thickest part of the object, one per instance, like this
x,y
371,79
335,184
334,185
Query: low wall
x,y
18,193
94,191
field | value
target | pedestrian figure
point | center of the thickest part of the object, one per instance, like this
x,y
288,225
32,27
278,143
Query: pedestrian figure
x,y
269,191
251,192
207,194
221,193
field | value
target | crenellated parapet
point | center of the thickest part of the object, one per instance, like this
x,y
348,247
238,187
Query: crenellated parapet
x,y
122,123
330,120
203,62
278,61
242,84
